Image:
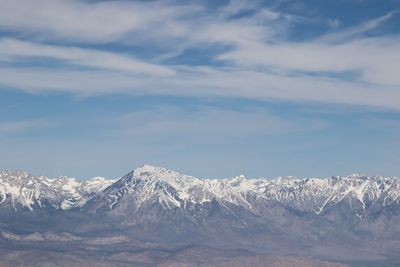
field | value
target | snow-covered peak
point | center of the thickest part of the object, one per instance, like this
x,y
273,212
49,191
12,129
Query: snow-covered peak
x,y
95,185
175,179
21,189
98,179
175,190
288,180
310,195
13,173
149,170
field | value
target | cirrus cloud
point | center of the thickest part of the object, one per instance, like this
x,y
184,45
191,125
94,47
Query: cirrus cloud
x,y
252,55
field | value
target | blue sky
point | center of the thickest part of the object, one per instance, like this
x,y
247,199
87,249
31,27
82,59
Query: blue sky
x,y
208,88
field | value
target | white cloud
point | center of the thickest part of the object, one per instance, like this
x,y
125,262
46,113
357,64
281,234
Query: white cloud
x,y
333,23
11,49
236,6
258,61
357,30
365,56
205,82
84,21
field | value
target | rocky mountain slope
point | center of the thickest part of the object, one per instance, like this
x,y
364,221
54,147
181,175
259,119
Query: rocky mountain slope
x,y
174,190
325,218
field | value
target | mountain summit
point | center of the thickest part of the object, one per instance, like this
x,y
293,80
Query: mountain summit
x,y
362,193
153,204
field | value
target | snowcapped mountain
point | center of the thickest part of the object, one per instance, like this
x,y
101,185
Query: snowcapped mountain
x,y
173,190
317,195
19,189
154,204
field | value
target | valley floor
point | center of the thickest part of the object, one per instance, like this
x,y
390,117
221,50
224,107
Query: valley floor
x,y
33,254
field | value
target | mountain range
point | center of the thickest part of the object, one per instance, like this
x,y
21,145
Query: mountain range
x,y
163,216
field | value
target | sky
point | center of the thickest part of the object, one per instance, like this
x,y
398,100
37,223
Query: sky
x,y
209,88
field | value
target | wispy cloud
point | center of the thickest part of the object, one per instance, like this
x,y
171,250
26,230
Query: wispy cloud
x,y
85,21
205,82
357,31
251,54
11,49
364,56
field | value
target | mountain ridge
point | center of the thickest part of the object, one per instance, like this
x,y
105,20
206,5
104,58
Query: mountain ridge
x,y
308,194
319,217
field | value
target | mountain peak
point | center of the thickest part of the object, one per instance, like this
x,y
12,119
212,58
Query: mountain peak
x,y
16,173
150,169
149,172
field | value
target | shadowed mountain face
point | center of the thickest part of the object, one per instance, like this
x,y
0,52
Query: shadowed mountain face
x,y
155,216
